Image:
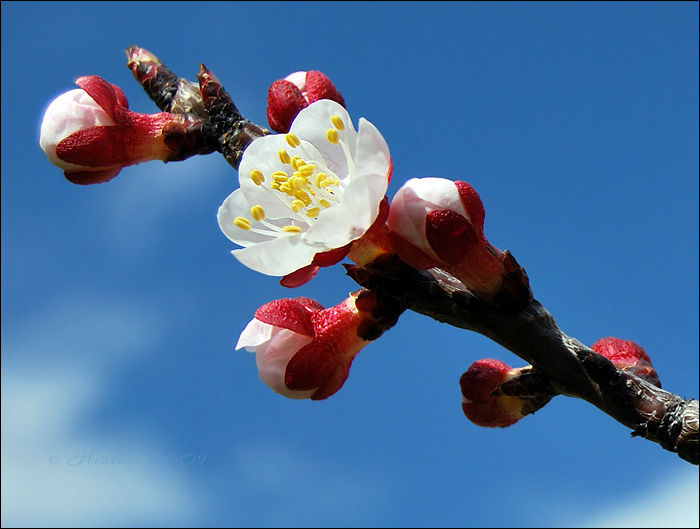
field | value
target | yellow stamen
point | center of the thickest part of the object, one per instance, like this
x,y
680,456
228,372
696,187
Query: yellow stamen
x,y
284,157
257,212
293,183
242,223
296,162
297,205
286,188
313,212
337,122
306,170
324,203
279,177
301,195
332,136
275,186
292,229
320,177
257,177
292,140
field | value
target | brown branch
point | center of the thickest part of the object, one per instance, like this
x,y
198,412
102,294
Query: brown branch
x,y
514,319
224,129
532,334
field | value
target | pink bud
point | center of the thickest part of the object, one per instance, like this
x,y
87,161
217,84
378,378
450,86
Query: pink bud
x,y
287,97
496,395
627,356
305,351
91,134
477,383
438,223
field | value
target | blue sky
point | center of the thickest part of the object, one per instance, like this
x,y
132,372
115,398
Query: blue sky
x,y
121,304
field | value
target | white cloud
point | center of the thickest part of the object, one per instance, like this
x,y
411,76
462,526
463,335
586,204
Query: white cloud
x,y
669,502
51,385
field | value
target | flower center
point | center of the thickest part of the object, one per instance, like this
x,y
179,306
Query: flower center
x,y
306,185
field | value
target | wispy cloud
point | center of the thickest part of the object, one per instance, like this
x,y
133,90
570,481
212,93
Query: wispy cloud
x,y
50,388
668,502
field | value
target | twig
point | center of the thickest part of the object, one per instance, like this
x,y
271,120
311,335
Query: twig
x,y
531,333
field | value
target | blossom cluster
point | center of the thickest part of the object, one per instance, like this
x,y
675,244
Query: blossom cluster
x,y
308,197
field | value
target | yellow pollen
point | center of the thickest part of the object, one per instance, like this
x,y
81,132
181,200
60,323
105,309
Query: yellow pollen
x,y
279,177
301,195
242,223
287,189
296,162
275,186
284,157
328,182
292,229
324,203
306,170
257,177
297,205
257,212
313,212
293,182
337,122
320,177
292,140
332,136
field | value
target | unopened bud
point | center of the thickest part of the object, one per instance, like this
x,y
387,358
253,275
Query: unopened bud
x,y
627,356
287,97
438,223
496,395
91,134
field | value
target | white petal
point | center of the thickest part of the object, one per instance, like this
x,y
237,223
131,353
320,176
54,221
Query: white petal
x,y
312,123
298,79
263,155
438,193
351,218
277,257
272,361
407,216
68,113
372,156
255,334
236,205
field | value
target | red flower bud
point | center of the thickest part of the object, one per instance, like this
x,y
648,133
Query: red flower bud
x,y
287,97
438,223
91,134
627,356
305,351
496,395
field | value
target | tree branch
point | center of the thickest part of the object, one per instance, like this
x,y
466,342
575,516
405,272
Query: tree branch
x,y
514,319
531,333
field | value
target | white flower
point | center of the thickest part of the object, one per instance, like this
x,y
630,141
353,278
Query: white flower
x,y
315,189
